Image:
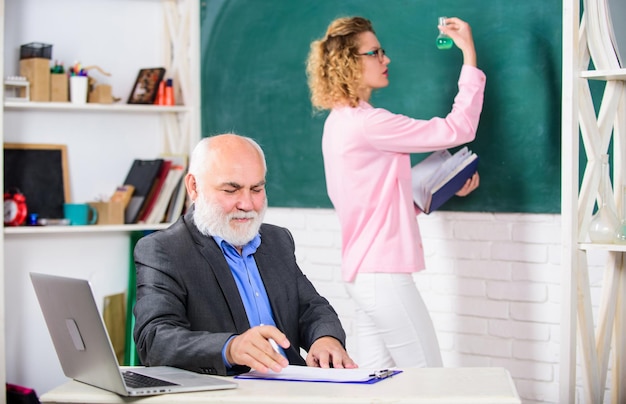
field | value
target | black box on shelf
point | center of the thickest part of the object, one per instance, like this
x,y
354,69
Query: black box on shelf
x,y
36,50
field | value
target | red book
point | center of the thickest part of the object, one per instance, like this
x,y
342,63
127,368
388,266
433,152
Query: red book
x,y
154,191
141,175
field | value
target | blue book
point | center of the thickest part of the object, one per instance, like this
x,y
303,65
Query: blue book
x,y
440,176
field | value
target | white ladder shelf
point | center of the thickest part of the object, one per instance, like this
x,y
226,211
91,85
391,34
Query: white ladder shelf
x,y
584,42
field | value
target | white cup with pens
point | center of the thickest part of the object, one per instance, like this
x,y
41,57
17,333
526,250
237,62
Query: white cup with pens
x,y
78,89
78,84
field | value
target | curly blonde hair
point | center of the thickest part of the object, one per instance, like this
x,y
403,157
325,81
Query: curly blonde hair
x,y
333,67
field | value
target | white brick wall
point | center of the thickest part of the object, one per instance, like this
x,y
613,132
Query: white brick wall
x,y
492,285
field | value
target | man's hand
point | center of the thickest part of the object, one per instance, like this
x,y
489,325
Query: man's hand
x,y
327,352
470,185
253,349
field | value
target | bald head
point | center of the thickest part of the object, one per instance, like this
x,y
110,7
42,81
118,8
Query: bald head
x,y
226,182
212,152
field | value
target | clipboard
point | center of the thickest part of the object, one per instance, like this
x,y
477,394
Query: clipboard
x,y
293,373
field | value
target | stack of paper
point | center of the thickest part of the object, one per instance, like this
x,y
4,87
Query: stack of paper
x,y
441,175
312,374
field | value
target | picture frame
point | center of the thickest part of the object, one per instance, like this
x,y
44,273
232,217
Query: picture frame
x,y
146,86
40,172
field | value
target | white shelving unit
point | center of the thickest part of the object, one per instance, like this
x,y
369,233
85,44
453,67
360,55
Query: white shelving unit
x,y
124,228
102,141
601,342
3,374
116,108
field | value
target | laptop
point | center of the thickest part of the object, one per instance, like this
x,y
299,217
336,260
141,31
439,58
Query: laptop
x,y
85,351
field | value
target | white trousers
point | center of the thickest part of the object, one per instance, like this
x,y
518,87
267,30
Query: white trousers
x,y
393,326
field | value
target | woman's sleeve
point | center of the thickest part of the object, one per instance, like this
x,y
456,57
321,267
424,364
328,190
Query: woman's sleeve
x,y
399,133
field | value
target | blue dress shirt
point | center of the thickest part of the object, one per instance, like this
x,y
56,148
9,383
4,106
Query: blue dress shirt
x,y
249,282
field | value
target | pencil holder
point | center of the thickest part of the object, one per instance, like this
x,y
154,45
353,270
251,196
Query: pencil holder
x,y
78,89
59,87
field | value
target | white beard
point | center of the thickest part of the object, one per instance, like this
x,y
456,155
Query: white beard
x,y
212,221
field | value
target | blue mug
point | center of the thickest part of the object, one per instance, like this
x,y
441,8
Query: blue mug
x,y
80,214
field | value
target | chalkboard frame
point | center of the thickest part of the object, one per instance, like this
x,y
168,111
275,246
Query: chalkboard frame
x,y
45,189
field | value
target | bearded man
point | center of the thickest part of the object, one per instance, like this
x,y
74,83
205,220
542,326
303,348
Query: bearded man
x,y
217,288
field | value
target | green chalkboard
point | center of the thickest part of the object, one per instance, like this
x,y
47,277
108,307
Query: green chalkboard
x,y
254,84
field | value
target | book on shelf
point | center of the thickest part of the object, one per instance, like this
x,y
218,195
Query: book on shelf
x,y
141,176
177,170
441,175
178,202
154,192
176,206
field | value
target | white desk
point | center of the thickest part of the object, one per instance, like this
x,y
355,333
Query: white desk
x,y
436,385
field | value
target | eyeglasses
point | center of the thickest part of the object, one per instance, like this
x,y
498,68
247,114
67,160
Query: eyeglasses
x,y
379,53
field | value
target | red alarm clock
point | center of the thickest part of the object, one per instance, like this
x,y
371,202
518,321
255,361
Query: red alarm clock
x,y
15,210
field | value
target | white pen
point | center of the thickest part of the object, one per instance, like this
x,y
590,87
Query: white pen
x,y
274,345
272,342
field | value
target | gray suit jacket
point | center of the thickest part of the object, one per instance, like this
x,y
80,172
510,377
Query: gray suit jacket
x,y
188,304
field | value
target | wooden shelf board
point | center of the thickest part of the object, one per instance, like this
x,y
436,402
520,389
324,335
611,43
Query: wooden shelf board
x,y
603,247
606,75
55,106
122,228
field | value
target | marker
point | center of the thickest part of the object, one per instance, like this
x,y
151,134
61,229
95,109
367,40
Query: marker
x,y
42,221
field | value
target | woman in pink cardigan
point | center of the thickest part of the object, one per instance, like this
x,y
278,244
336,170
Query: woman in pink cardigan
x,y
368,175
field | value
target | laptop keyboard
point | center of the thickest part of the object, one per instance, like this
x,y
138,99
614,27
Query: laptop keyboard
x,y
136,380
